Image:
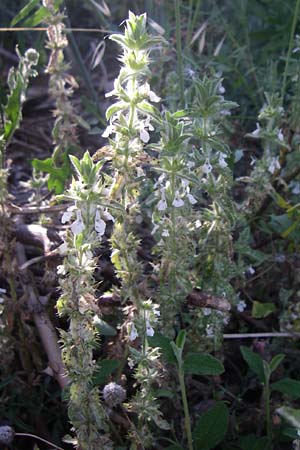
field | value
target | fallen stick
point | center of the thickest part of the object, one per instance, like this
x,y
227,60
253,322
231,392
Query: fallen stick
x,y
42,322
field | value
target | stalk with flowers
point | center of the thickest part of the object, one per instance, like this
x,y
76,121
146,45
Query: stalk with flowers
x,y
88,213
130,122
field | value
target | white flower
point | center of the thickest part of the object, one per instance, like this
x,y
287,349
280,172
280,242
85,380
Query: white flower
x,y
251,270
100,225
256,132
209,330
207,167
149,329
274,164
160,180
140,172
146,91
144,135
198,223
190,164
162,204
133,333
67,215
177,202
222,162
108,131
241,306
295,187
153,97
60,270
165,233
221,89
155,228
191,199
2,291
206,311
107,216
280,136
78,226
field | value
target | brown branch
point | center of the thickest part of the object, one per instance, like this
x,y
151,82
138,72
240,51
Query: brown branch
x,y
42,322
204,300
14,209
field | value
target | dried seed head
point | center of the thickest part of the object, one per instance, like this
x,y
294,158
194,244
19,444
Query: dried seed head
x,y
113,394
6,434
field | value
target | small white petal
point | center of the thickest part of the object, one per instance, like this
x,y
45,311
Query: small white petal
x,y
280,136
207,167
67,216
149,329
191,199
133,333
198,223
153,97
100,225
162,205
144,136
241,306
256,132
165,233
177,202
107,216
78,226
222,162
155,228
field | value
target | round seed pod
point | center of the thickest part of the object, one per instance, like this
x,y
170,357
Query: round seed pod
x,y
113,394
6,434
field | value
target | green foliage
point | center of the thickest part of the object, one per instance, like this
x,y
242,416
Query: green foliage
x,y
211,427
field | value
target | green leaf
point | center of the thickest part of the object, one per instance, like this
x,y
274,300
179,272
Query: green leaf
x,y
261,310
276,361
252,442
291,415
254,361
103,327
202,364
180,340
287,386
158,340
58,175
38,17
211,427
104,369
24,12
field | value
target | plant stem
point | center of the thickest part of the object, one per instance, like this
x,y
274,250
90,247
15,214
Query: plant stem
x,y
267,409
288,56
179,52
187,421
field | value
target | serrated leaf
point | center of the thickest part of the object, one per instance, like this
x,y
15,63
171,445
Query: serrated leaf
x,y
211,427
202,364
291,415
254,361
24,12
287,386
261,310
